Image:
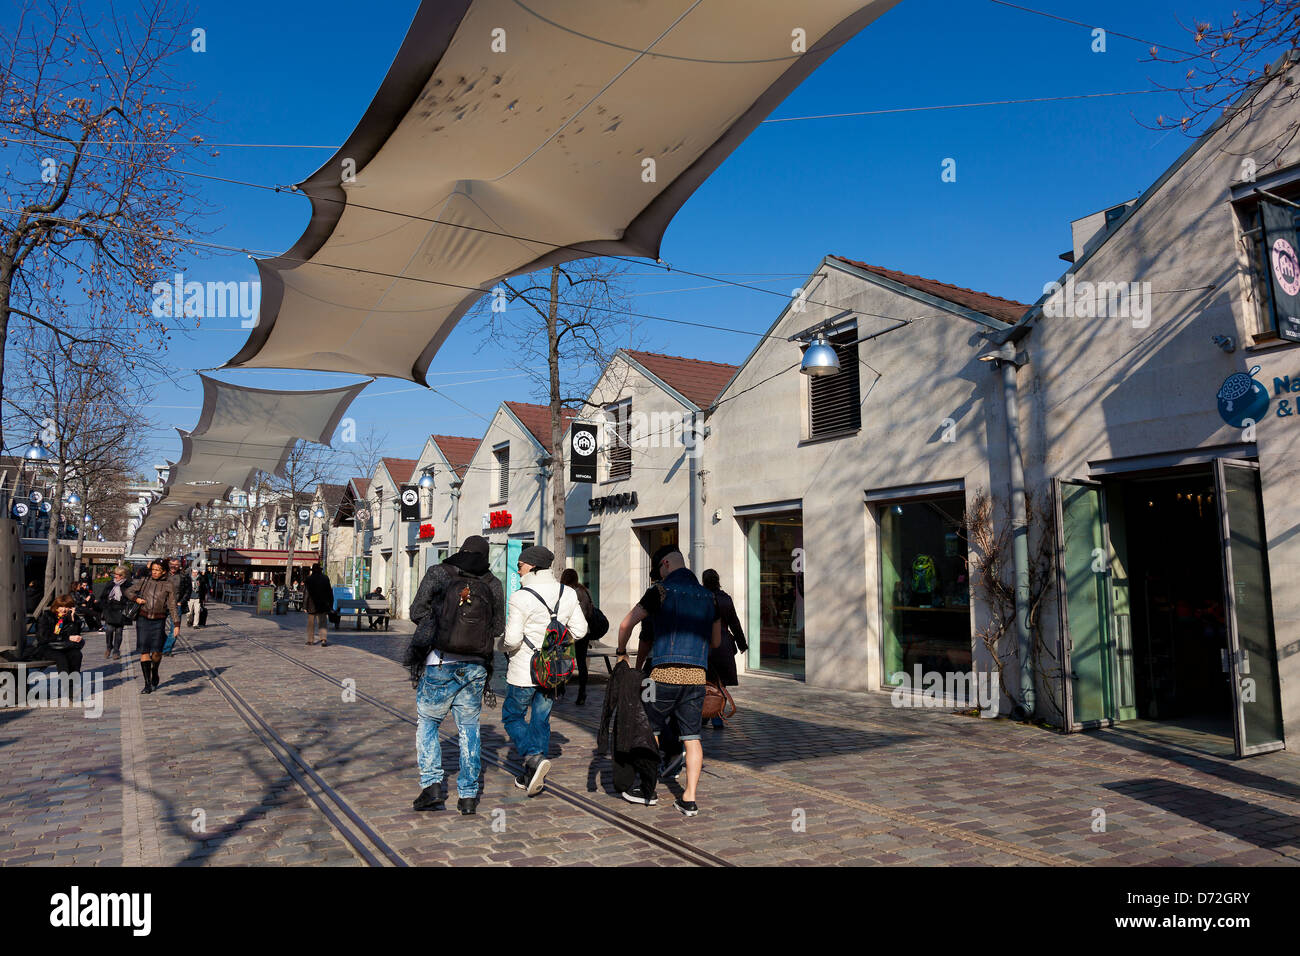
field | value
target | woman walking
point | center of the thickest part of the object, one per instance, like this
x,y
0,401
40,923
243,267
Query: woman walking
x,y
569,578
113,600
722,659
154,595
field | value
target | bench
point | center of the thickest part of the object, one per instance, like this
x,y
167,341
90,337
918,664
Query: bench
x,y
367,606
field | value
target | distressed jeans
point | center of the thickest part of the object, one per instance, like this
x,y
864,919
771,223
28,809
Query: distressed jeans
x,y
455,686
529,736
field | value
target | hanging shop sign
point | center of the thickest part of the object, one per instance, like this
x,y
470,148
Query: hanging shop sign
x,y
582,457
626,500
304,516
426,531
281,522
499,519
410,503
1283,254
20,509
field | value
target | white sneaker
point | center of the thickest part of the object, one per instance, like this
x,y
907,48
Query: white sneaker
x,y
538,779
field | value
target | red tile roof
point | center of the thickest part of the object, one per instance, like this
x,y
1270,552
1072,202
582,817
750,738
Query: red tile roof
x,y
537,419
1007,310
457,450
699,381
362,485
400,468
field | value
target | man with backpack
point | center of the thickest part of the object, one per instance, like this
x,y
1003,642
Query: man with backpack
x,y
459,613
544,621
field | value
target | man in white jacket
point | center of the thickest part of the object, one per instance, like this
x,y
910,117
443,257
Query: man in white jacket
x,y
530,610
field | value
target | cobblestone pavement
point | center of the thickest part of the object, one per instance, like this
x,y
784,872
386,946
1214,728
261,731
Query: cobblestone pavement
x,y
800,776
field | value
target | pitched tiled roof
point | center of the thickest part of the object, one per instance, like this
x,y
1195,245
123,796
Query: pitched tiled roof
x,y
331,494
457,450
537,419
362,485
400,468
699,381
1006,310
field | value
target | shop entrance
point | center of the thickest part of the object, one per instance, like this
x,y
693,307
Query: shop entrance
x,y
1165,606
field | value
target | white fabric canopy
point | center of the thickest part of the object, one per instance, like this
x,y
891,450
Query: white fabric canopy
x,y
542,145
241,431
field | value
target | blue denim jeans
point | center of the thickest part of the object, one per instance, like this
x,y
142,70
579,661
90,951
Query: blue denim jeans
x,y
529,736
456,686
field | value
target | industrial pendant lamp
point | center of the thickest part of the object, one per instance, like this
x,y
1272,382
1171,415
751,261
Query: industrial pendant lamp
x,y
820,359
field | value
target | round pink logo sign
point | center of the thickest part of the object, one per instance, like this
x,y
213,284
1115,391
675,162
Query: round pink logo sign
x,y
1286,266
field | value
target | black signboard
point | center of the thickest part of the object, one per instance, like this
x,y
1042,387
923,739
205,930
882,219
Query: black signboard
x,y
1283,255
410,503
582,452
304,515
281,522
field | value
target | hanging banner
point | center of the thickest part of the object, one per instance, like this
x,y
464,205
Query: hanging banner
x,y
304,516
410,503
582,452
281,522
1283,255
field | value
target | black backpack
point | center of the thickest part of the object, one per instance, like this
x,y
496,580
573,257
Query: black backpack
x,y
465,624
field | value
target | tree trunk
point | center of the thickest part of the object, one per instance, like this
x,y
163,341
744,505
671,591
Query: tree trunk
x,y
56,519
556,449
6,284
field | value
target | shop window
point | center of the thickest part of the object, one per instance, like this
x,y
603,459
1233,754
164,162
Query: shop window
x,y
584,558
620,442
835,401
775,595
502,456
925,588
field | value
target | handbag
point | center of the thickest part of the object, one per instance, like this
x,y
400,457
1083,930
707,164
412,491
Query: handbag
x,y
59,645
130,613
718,702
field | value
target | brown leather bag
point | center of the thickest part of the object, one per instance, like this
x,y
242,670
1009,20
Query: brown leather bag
x,y
718,702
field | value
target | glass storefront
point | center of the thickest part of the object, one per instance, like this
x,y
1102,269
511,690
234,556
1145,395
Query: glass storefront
x,y
584,557
652,539
775,598
925,588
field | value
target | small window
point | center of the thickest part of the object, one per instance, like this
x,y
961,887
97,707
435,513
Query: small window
x,y
503,472
1252,223
620,445
834,401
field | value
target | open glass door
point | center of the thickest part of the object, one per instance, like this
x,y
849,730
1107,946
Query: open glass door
x,y
1083,586
1257,710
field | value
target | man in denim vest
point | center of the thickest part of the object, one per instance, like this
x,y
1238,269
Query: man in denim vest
x,y
686,624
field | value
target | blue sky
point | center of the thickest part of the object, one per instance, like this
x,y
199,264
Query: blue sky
x,y
865,187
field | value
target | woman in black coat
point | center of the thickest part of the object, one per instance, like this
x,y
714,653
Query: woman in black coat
x,y
722,659
58,636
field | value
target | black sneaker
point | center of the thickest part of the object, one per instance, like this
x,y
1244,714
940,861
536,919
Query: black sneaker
x,y
637,795
467,806
673,768
521,781
537,782
688,807
430,798
147,689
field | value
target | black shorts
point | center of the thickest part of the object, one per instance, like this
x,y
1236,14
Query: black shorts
x,y
683,701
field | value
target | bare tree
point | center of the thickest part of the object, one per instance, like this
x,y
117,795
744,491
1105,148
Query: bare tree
x,y
990,536
75,395
90,112
363,454
307,466
1227,62
576,321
